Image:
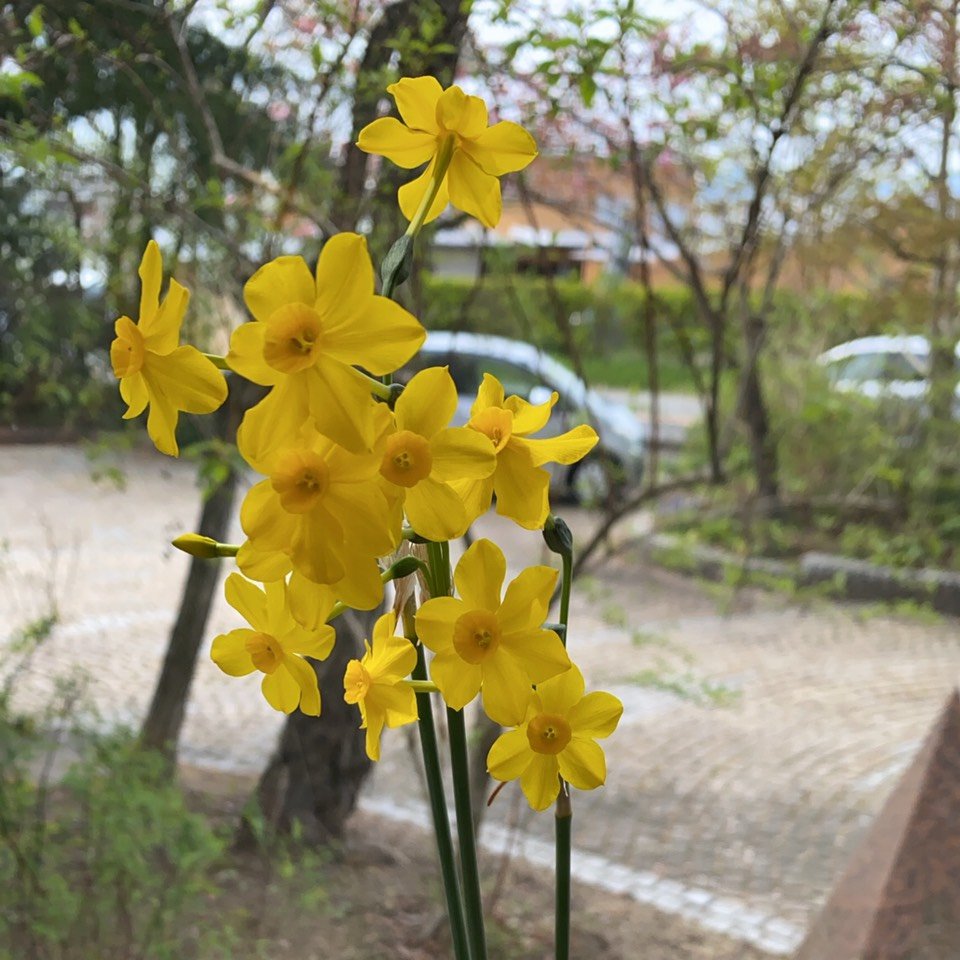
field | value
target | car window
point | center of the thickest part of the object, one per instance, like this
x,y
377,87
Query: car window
x,y
466,372
897,366
515,379
864,366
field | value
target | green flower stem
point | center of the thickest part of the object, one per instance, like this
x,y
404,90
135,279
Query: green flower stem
x,y
440,586
219,362
422,686
438,803
473,896
377,387
564,810
444,156
564,822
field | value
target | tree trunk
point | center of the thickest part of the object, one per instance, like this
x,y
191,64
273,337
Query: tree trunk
x,y
161,728
753,412
320,763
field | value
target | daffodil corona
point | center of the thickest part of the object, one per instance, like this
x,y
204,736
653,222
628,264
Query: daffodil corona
x,y
153,369
486,645
466,157
558,738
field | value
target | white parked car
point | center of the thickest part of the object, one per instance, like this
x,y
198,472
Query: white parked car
x,y
882,367
532,374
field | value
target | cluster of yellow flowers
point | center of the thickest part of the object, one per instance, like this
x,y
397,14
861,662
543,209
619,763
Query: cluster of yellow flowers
x,y
351,467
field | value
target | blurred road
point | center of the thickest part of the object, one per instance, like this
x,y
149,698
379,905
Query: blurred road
x,y
759,738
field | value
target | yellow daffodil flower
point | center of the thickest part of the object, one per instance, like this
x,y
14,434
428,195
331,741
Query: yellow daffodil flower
x,y
325,513
376,685
483,643
151,366
307,335
521,484
425,455
276,646
558,738
449,129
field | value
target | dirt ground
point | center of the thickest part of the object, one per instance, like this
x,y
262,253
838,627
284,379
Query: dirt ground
x,y
378,897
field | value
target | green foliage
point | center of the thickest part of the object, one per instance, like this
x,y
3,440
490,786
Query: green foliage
x,y
107,862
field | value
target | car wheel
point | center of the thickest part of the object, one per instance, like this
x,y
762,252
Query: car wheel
x,y
594,481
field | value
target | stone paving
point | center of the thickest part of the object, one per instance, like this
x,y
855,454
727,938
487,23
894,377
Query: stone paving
x,y
736,803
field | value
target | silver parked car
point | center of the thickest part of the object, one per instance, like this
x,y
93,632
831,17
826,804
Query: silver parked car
x,y
615,464
883,367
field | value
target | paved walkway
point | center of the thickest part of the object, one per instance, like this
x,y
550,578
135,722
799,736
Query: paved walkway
x,y
743,795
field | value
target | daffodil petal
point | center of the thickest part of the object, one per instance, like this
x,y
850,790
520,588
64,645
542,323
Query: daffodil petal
x,y
410,194
459,452
229,653
428,402
479,575
310,603
435,511
510,755
316,551
416,99
528,418
374,721
363,513
596,715
435,620
151,276
540,653
393,658
277,283
264,521
506,689
490,394
503,148
399,704
360,588
186,379
522,489
389,138
133,391
246,354
316,644
281,690
248,600
305,678
344,282
275,422
560,693
381,337
162,425
583,764
527,599
262,565
461,113
540,782
473,191
459,681
476,496
161,333
569,447
341,405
